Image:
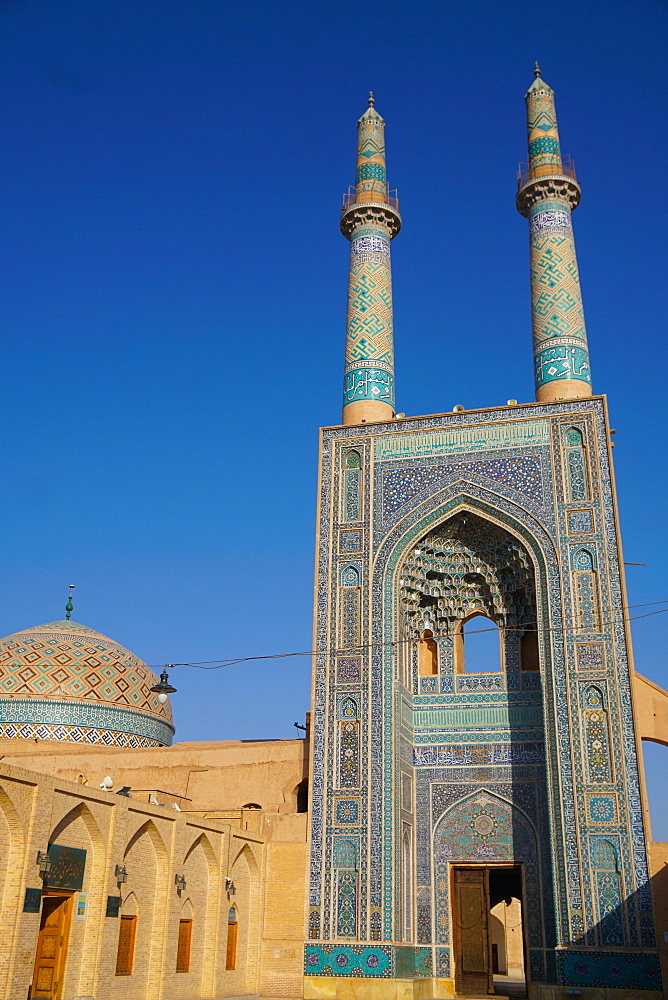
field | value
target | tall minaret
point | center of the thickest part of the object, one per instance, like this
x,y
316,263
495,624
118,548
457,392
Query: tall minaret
x,y
548,192
370,220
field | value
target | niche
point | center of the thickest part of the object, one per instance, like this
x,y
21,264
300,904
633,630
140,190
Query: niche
x,y
529,658
427,654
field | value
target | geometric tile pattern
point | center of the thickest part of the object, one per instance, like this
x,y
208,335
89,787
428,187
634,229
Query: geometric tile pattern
x,y
580,522
66,670
75,734
559,335
616,970
602,809
367,962
400,485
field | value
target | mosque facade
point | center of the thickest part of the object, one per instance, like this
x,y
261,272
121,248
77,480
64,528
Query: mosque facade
x,y
441,788
456,822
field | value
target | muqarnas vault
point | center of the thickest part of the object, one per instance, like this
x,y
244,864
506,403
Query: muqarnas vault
x,y
442,792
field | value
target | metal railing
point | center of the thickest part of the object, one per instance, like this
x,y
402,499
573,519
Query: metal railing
x,y
567,169
350,195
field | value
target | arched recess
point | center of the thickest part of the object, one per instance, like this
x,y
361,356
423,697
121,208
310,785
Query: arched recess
x,y
485,828
12,859
443,507
78,828
387,630
146,860
427,654
245,874
465,566
201,871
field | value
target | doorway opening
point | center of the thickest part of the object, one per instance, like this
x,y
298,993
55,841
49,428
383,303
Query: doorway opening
x,y
52,942
488,931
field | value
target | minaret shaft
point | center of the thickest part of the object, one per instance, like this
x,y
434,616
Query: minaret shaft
x,y
547,195
370,222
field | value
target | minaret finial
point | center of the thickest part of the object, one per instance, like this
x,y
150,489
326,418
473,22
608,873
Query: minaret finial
x,y
372,100
69,607
536,69
548,192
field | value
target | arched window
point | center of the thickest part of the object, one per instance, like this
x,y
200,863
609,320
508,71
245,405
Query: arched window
x,y
427,654
478,645
251,805
232,927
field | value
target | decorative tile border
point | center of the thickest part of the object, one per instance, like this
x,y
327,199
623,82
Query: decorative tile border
x,y
617,970
76,734
84,714
368,961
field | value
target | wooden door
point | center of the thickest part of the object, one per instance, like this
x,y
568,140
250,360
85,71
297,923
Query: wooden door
x,y
473,972
231,957
47,982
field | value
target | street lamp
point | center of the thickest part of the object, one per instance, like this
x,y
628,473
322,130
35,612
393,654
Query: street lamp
x,y
44,862
163,687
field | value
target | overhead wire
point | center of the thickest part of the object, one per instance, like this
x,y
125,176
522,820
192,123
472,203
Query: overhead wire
x,y
221,662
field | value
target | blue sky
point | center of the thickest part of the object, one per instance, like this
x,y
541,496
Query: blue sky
x,y
174,282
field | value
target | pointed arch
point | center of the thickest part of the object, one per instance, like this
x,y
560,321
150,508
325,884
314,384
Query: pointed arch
x,y
485,827
130,905
209,853
245,873
82,812
245,854
150,830
445,816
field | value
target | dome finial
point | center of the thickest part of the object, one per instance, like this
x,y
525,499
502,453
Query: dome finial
x,y
372,100
536,69
69,607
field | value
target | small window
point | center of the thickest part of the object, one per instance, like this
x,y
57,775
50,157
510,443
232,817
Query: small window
x,y
302,796
232,925
183,947
251,805
126,946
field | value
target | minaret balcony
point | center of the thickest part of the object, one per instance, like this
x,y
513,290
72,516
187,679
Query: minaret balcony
x,y
546,182
525,173
349,199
